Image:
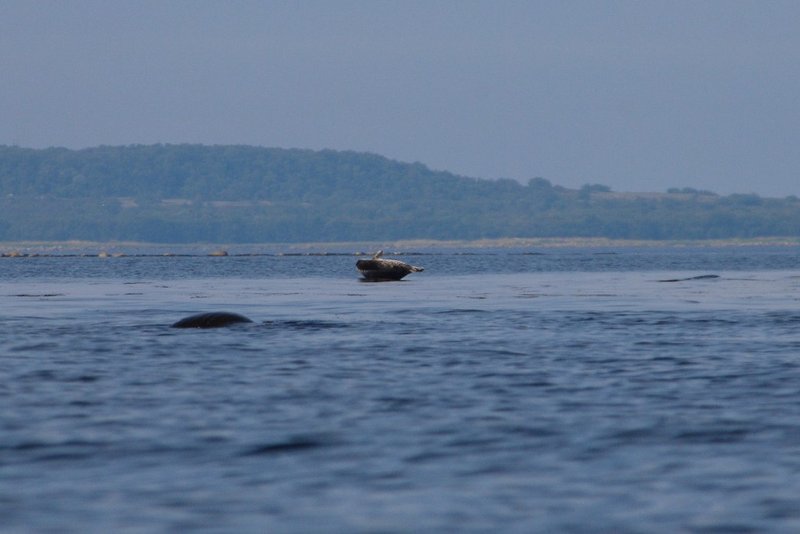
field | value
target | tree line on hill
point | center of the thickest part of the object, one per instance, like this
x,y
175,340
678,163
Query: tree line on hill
x,y
245,194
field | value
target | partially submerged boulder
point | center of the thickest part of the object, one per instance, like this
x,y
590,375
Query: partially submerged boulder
x,y
211,320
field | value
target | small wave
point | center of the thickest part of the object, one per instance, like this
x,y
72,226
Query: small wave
x,y
468,311
662,343
713,435
49,375
301,324
40,451
530,431
784,318
296,444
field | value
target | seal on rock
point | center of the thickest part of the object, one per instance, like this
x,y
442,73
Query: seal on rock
x,y
381,270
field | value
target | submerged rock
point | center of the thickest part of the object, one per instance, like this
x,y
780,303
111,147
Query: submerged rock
x,y
700,277
211,320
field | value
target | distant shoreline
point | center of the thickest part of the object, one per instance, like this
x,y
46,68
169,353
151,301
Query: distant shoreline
x,y
26,248
223,194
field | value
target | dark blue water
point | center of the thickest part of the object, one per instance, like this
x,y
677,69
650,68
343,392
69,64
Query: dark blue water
x,y
566,391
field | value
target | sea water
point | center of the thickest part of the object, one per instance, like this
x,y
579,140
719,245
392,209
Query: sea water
x,y
562,390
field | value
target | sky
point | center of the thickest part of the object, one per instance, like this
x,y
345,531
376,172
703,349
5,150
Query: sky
x,y
637,95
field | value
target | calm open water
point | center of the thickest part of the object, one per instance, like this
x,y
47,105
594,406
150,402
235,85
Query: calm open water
x,y
567,391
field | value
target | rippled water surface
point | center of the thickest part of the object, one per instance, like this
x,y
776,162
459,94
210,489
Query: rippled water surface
x,y
574,390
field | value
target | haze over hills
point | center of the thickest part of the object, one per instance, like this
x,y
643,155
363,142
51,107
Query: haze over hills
x,y
245,194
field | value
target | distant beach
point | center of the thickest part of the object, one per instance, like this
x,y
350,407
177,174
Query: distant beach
x,y
90,248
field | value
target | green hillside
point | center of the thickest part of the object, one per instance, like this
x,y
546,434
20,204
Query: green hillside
x,y
195,193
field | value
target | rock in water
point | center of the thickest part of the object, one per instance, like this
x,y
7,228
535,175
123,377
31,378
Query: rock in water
x,y
211,320
381,270
701,277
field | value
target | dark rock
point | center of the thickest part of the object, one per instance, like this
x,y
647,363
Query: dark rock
x,y
211,320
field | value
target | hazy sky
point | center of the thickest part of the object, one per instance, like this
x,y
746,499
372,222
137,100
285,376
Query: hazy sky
x,y
637,95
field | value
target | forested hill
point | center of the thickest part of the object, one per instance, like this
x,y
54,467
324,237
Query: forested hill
x,y
195,193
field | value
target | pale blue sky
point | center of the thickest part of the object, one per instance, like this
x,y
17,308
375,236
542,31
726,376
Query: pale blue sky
x,y
637,95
